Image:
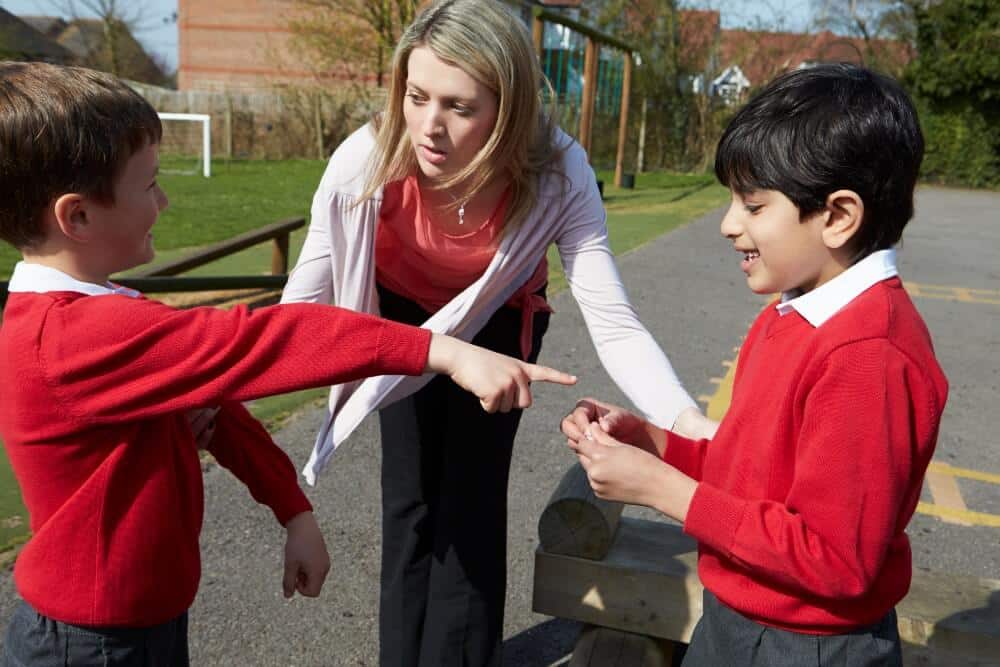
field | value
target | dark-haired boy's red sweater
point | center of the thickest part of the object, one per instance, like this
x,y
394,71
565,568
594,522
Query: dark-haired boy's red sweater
x,y
807,487
92,414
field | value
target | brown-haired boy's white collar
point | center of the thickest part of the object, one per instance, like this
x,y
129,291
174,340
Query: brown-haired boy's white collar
x,y
31,277
818,305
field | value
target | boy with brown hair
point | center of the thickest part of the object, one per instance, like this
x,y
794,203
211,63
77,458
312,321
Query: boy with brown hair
x,y
97,382
800,500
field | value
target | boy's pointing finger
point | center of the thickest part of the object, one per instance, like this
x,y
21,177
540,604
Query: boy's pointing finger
x,y
538,373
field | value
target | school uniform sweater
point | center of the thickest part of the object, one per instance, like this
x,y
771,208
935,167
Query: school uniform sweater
x,y
807,487
92,414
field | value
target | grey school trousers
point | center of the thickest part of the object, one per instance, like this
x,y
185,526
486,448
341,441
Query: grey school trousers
x,y
34,640
726,637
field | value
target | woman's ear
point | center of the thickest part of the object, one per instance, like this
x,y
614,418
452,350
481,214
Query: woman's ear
x,y
70,216
845,212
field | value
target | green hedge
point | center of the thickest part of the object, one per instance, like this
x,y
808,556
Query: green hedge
x,y
961,147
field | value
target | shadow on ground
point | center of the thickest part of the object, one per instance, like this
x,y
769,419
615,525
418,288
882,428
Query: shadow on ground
x,y
542,645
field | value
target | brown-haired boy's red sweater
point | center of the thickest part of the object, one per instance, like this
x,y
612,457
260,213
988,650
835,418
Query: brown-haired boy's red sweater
x,y
807,487
92,414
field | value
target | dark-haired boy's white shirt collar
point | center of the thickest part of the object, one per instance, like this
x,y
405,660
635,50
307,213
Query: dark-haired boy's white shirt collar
x,y
818,305
28,277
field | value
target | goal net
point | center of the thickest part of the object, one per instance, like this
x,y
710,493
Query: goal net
x,y
186,146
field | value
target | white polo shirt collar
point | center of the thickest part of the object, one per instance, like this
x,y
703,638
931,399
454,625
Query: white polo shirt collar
x,y
820,304
29,277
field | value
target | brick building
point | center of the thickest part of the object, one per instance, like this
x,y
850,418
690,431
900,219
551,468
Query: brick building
x,y
233,44
248,44
227,44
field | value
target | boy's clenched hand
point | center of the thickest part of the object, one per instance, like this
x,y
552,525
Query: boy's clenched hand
x,y
307,561
617,422
627,474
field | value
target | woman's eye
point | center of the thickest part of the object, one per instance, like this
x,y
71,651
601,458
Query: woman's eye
x,y
415,98
462,110
752,208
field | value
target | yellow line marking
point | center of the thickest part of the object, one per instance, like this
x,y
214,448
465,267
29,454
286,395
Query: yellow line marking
x,y
718,403
978,475
962,294
973,518
944,490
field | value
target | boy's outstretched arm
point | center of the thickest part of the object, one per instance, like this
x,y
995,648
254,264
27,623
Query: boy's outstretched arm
x,y
307,561
501,382
627,474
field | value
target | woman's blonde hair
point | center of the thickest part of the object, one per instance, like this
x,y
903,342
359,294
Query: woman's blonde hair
x,y
491,44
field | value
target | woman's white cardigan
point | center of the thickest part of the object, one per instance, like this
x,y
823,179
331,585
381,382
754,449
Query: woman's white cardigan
x,y
337,266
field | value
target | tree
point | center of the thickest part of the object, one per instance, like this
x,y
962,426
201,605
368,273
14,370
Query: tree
x,y
956,82
355,37
886,29
652,27
958,46
113,47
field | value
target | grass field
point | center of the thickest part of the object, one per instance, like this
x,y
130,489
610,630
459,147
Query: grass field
x,y
244,195
241,195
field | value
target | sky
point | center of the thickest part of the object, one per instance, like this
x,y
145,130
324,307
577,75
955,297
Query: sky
x,y
158,32
790,15
156,29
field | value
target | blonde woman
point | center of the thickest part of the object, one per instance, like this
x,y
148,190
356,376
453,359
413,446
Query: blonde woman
x,y
439,213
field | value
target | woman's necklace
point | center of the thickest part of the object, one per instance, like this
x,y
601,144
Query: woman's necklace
x,y
461,208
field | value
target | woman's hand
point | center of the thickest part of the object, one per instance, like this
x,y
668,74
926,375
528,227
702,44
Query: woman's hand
x,y
694,425
502,383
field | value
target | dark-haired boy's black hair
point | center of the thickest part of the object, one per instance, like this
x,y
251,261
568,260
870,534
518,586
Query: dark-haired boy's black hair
x,y
814,131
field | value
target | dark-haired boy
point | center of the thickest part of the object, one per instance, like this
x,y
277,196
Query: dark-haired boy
x,y
97,382
800,501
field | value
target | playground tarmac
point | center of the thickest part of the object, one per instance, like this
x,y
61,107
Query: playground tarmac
x,y
689,291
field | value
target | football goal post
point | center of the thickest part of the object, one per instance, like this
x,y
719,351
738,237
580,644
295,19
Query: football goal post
x,y
180,141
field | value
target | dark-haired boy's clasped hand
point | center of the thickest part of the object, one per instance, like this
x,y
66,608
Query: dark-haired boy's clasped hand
x,y
307,561
627,468
617,422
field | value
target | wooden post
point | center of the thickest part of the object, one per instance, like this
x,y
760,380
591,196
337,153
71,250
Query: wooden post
x,y
575,522
623,118
279,256
640,154
318,120
229,127
589,92
615,648
538,36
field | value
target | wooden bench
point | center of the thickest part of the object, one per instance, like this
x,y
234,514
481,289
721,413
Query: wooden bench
x,y
635,583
